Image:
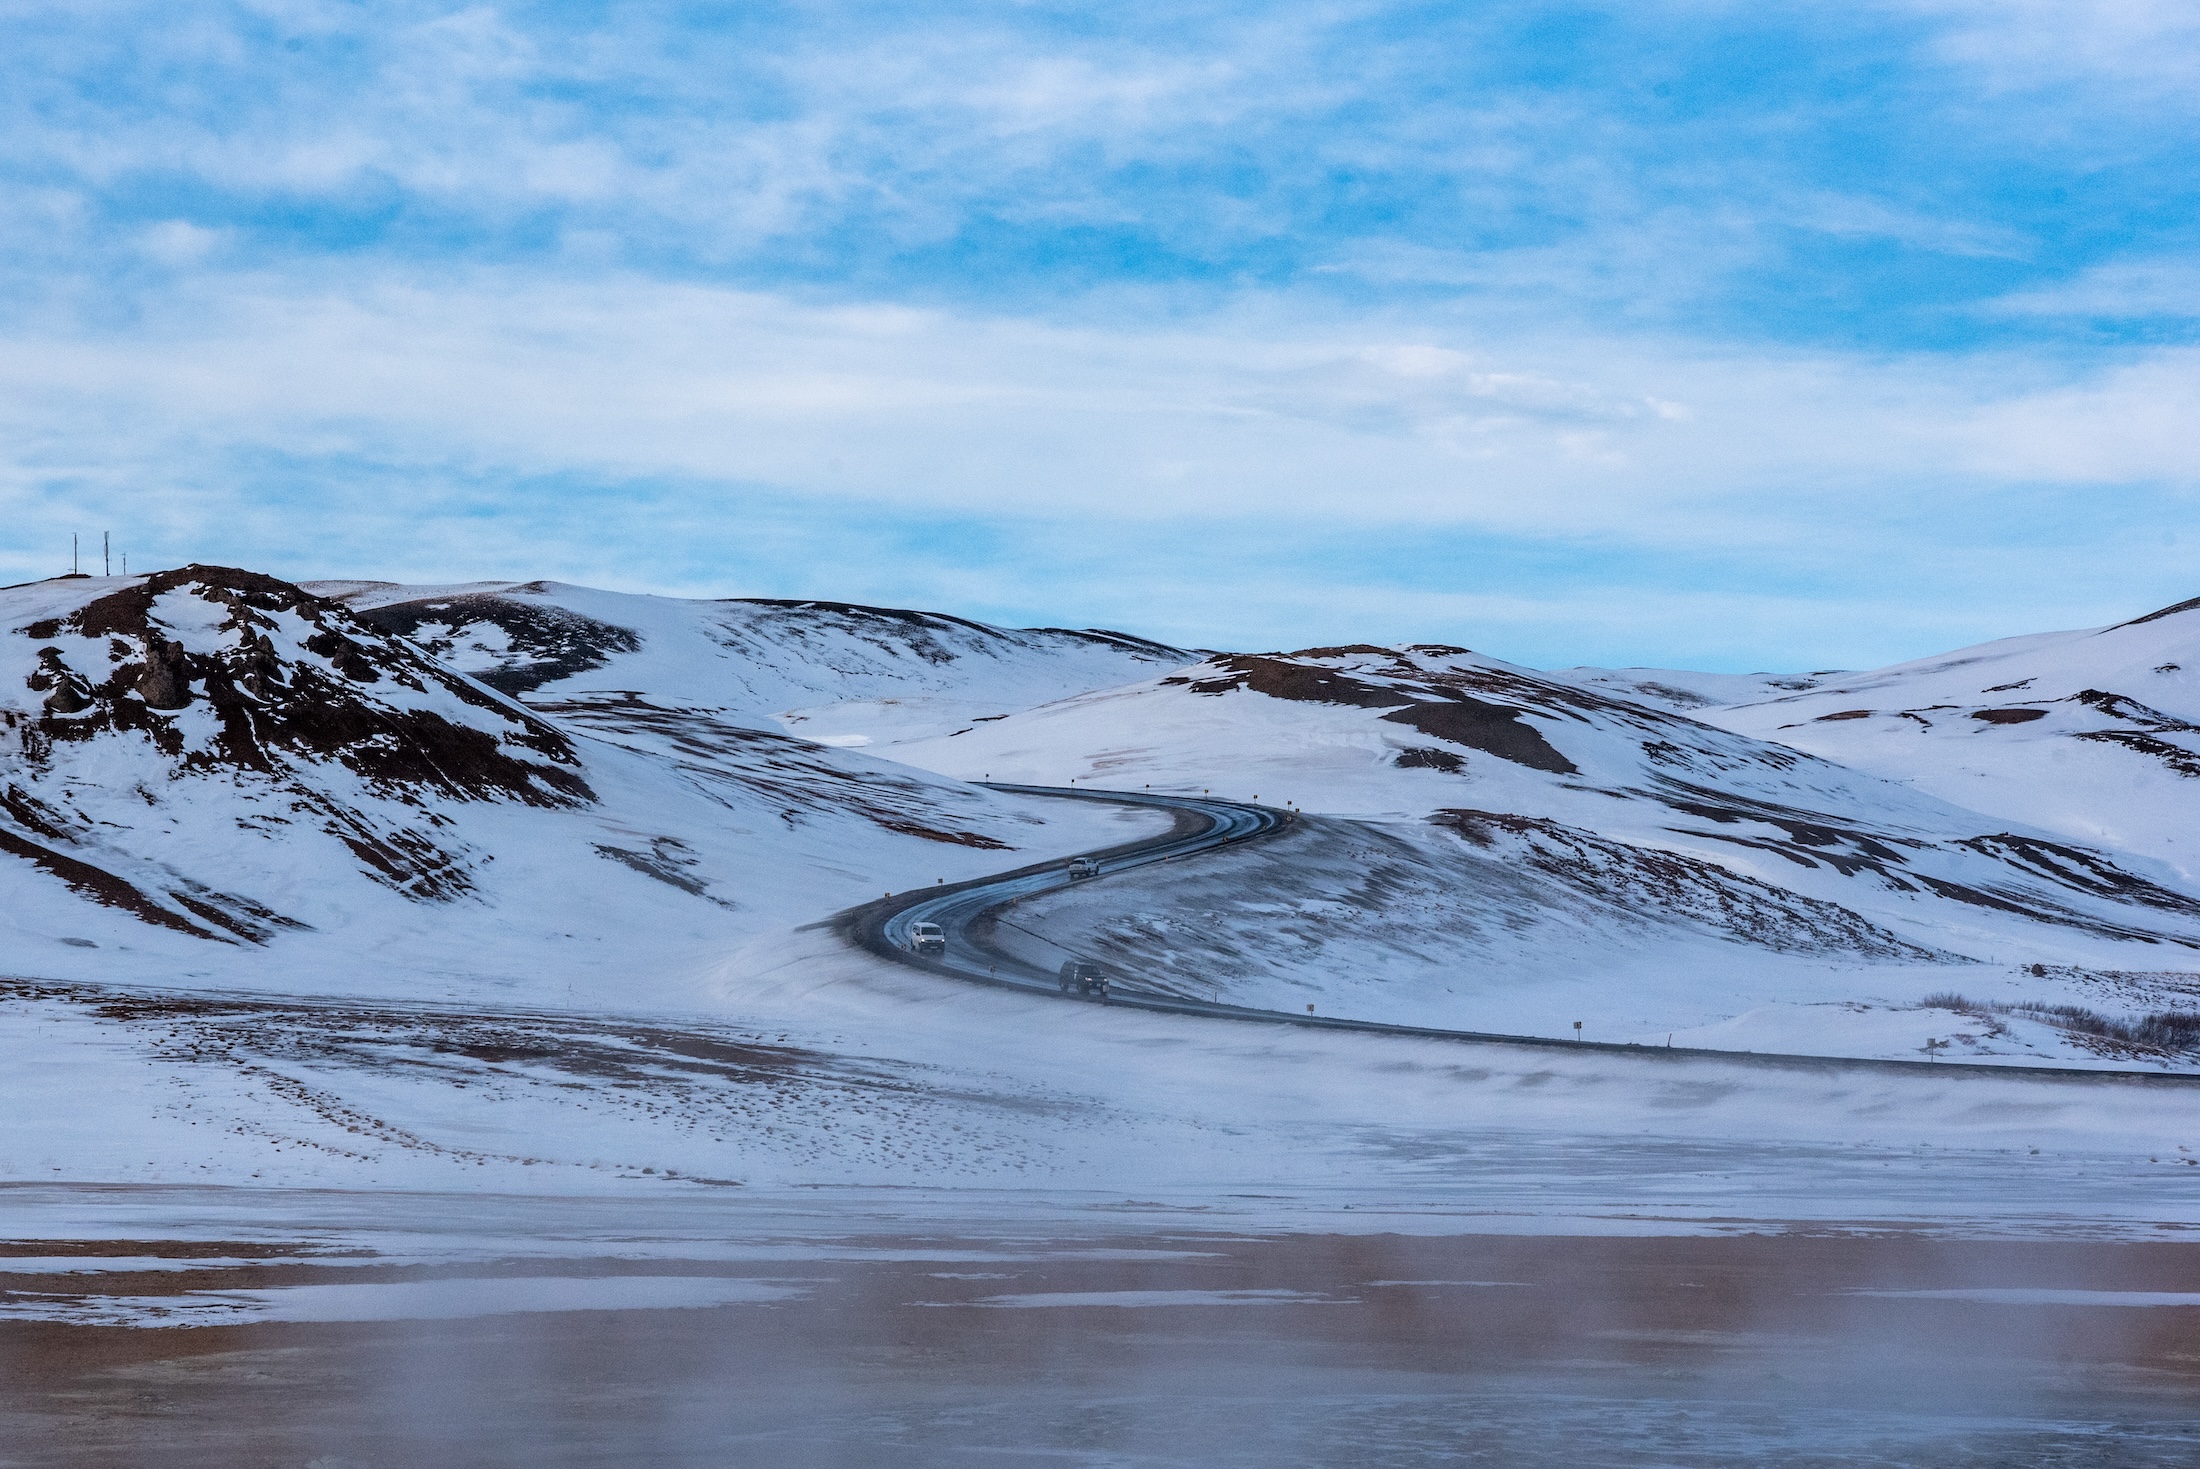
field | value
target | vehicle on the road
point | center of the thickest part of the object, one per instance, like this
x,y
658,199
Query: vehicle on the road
x,y
927,938
1083,867
1084,978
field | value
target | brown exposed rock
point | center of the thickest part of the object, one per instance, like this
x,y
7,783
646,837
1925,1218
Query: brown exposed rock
x,y
547,642
2169,611
344,655
66,692
1490,728
165,683
2008,716
100,885
1436,708
68,699
1280,678
2119,706
270,711
979,840
2177,758
1348,650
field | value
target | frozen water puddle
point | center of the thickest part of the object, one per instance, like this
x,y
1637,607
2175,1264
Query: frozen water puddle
x,y
1163,1298
411,1300
133,1264
1206,1297
2040,1296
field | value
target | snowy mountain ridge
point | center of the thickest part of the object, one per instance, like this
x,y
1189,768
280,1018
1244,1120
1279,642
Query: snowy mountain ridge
x,y
2093,734
513,784
826,670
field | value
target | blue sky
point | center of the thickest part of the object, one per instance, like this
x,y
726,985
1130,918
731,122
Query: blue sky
x,y
1723,335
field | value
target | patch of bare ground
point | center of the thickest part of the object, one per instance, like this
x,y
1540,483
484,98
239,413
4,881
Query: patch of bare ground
x,y
2164,1035
1282,678
1438,709
546,642
1490,728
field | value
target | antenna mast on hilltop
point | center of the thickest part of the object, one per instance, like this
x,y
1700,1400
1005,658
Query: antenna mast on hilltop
x,y
106,554
72,553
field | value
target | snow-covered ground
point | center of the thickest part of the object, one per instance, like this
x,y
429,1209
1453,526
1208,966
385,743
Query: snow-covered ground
x,y
2094,735
1499,849
841,675
817,1068
518,887
312,804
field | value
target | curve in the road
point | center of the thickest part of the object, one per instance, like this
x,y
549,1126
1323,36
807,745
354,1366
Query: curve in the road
x,y
968,910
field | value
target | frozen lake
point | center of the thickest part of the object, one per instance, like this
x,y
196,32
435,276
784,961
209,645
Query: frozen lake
x,y
386,1330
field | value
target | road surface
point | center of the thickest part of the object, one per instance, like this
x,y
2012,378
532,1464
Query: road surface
x,y
969,911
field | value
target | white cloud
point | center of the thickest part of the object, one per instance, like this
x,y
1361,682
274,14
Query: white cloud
x,y
2121,290
2130,425
1282,405
2149,48
178,242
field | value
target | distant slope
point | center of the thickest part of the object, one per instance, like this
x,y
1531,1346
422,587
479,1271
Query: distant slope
x,y
1685,692
2093,735
828,670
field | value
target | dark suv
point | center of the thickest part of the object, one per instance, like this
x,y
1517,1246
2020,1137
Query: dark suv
x,y
1083,977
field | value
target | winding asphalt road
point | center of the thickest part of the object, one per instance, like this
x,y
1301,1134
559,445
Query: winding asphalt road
x,y
970,911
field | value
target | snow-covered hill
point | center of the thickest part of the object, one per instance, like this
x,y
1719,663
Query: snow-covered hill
x,y
2094,735
1684,692
1519,850
212,773
830,672
542,789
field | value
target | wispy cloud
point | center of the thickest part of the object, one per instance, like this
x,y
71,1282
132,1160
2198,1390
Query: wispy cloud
x,y
2152,45
2121,291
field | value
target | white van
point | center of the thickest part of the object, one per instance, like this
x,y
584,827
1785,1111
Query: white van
x,y
927,938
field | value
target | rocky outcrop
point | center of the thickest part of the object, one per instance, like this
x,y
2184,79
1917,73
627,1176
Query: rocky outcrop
x,y
286,676
227,674
166,682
